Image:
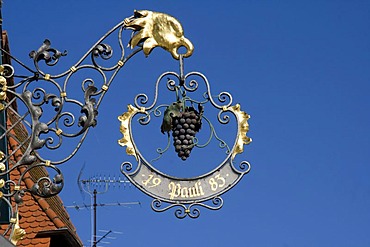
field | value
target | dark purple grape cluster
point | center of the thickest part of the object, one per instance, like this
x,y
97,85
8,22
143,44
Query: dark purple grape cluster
x,y
184,128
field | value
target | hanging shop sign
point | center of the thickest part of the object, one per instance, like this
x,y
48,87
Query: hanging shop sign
x,y
182,120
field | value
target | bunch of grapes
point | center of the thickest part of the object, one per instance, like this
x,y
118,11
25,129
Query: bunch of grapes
x,y
184,128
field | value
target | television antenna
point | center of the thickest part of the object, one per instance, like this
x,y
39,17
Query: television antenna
x,y
106,236
99,184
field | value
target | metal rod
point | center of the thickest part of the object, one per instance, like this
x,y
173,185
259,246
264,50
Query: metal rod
x,y
94,205
4,208
1,29
103,205
104,236
182,76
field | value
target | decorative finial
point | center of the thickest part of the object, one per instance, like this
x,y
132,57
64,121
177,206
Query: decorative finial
x,y
158,29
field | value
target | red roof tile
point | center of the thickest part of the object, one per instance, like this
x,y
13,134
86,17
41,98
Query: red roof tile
x,y
36,214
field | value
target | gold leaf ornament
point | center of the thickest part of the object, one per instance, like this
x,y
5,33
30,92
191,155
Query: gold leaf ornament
x,y
158,29
17,232
243,128
3,88
125,129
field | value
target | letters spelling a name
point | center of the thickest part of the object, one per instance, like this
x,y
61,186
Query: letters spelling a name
x,y
176,190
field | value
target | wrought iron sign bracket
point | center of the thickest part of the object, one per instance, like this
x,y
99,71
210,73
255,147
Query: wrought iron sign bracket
x,y
31,130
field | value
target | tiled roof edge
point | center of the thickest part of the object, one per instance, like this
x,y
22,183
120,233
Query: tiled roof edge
x,y
29,183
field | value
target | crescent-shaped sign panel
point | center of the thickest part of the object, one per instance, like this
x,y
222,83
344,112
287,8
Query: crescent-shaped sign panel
x,y
171,189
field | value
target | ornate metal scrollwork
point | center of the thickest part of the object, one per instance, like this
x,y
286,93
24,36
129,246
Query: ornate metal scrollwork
x,y
47,53
182,120
192,210
53,114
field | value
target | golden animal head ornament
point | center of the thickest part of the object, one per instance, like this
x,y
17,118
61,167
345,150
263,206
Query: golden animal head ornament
x,y
158,29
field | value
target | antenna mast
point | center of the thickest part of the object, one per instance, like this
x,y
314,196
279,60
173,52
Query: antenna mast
x,y
90,186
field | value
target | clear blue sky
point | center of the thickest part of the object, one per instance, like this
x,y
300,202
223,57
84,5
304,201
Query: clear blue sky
x,y
299,68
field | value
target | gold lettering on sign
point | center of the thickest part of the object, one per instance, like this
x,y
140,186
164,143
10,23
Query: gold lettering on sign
x,y
176,190
217,182
152,181
184,193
